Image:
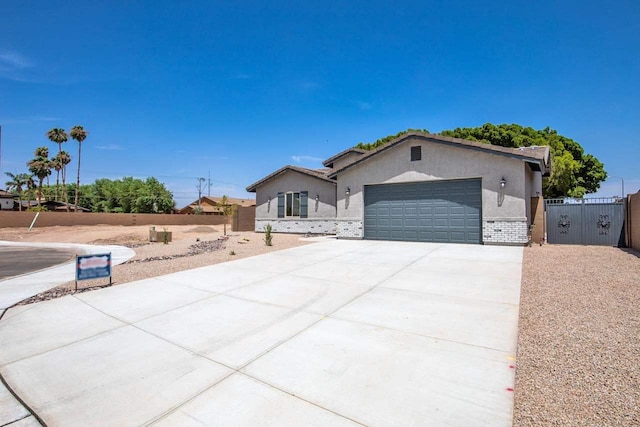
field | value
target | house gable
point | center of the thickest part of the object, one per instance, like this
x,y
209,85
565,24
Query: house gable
x,y
439,162
538,157
344,157
319,195
320,174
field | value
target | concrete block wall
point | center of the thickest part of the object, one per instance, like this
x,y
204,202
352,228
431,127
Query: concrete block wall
x,y
633,220
244,218
11,219
297,226
505,231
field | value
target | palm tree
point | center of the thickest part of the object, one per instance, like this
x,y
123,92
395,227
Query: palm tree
x,y
15,185
79,134
61,160
56,165
40,166
58,136
27,178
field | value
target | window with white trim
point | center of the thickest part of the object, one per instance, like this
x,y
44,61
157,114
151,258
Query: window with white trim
x,y
292,204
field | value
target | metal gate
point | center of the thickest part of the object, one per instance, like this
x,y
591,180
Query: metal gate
x,y
585,221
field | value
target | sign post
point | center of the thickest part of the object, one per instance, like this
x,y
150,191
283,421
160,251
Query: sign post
x,y
93,266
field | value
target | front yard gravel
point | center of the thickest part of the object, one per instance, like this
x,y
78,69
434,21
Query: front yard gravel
x,y
578,361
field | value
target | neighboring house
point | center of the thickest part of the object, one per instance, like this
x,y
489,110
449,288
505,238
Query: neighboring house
x,y
51,206
6,200
213,205
418,187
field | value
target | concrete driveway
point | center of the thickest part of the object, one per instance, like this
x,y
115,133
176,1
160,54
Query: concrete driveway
x,y
334,333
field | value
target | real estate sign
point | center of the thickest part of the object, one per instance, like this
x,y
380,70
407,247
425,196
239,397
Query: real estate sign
x,y
93,266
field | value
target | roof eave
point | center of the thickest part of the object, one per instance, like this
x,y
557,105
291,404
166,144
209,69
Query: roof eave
x,y
454,142
253,187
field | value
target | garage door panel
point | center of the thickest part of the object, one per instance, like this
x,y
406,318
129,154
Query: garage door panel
x,y
437,211
458,222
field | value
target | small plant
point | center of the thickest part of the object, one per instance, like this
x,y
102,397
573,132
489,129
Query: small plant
x,y
267,235
232,253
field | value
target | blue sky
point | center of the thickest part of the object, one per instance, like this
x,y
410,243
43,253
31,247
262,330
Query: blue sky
x,y
181,89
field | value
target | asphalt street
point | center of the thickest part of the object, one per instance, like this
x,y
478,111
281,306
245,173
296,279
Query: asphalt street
x,y
15,261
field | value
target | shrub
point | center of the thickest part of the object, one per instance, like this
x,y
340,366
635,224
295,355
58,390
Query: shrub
x,y
267,235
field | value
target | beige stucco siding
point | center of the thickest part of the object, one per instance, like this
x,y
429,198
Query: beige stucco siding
x,y
533,188
294,181
439,161
348,158
6,203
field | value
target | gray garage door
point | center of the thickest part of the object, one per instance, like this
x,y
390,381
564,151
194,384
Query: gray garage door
x,y
436,211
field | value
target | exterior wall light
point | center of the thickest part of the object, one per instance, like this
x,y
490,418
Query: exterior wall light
x,y
347,191
503,182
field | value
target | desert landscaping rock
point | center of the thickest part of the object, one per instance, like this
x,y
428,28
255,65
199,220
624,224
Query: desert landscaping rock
x,y
578,358
192,247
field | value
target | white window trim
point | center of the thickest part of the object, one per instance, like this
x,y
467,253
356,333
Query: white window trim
x,y
293,193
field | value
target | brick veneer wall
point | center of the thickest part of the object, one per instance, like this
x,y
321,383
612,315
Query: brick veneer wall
x,y
299,226
350,229
505,231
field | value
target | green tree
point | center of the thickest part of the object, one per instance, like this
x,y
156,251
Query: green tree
x,y
382,141
64,158
79,134
29,182
57,136
14,185
40,167
127,195
573,172
228,210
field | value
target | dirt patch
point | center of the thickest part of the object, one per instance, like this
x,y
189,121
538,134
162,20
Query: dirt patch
x,y
123,239
202,229
578,357
191,247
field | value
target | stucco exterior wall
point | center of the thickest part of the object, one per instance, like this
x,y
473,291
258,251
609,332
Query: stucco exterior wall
x,y
337,164
438,162
267,201
6,203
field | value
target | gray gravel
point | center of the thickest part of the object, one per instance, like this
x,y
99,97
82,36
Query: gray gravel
x,y
578,361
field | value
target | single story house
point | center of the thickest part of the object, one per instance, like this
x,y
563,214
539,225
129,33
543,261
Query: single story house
x,y
6,200
418,187
50,206
213,205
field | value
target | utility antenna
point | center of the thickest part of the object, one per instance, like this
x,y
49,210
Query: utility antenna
x,y
199,188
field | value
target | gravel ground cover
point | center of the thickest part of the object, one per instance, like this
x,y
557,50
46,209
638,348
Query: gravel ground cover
x,y
578,361
192,247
